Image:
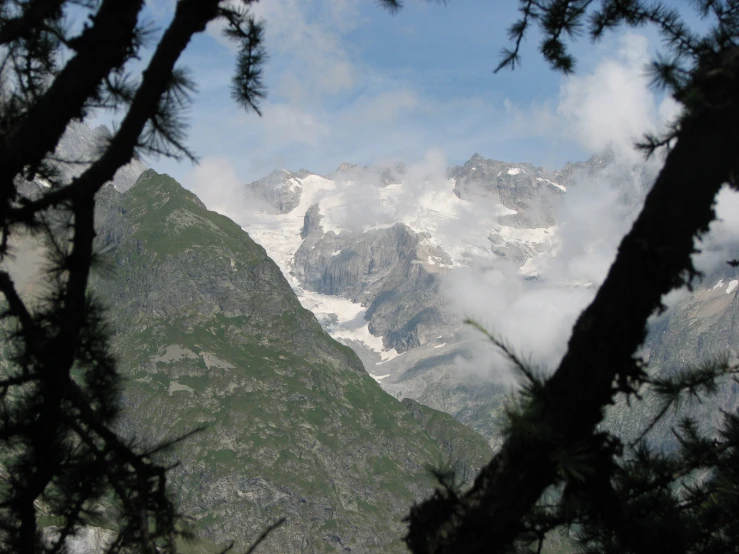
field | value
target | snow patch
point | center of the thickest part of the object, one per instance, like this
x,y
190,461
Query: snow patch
x,y
440,345
280,234
732,285
560,187
718,285
529,268
344,320
174,386
211,361
379,378
515,171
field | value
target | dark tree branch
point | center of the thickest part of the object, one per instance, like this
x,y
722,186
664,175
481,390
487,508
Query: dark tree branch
x,y
191,17
33,18
102,47
17,308
46,433
264,534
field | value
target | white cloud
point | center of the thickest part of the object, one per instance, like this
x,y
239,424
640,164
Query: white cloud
x,y
310,33
536,317
610,107
215,182
613,105
721,243
286,124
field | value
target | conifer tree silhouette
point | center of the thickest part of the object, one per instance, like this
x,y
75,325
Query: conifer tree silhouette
x,y
558,467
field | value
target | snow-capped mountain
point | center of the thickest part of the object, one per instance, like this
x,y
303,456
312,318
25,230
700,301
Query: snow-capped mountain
x,y
368,249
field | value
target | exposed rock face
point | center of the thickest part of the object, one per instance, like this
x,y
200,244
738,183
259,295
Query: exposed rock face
x,y
209,333
311,222
348,265
386,270
699,329
528,190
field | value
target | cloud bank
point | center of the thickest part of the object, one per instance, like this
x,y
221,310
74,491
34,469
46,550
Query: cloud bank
x,y
607,109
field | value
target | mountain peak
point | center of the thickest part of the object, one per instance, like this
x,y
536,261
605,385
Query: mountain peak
x,y
345,166
279,175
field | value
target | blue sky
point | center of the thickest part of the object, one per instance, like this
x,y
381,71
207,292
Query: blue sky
x,y
348,82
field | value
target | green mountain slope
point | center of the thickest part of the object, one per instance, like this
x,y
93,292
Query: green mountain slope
x,y
210,334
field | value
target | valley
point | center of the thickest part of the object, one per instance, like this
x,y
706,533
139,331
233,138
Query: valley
x,y
235,334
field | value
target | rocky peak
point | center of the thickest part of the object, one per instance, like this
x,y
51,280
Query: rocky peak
x,y
280,190
311,221
392,174
347,172
528,190
344,166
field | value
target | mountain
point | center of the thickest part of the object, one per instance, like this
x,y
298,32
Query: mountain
x,y
701,327
209,333
373,252
368,251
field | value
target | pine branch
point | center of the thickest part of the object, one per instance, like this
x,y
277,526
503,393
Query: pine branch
x,y
391,5
517,32
102,47
130,478
504,348
696,381
265,534
72,520
18,309
191,17
34,15
247,86
635,13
